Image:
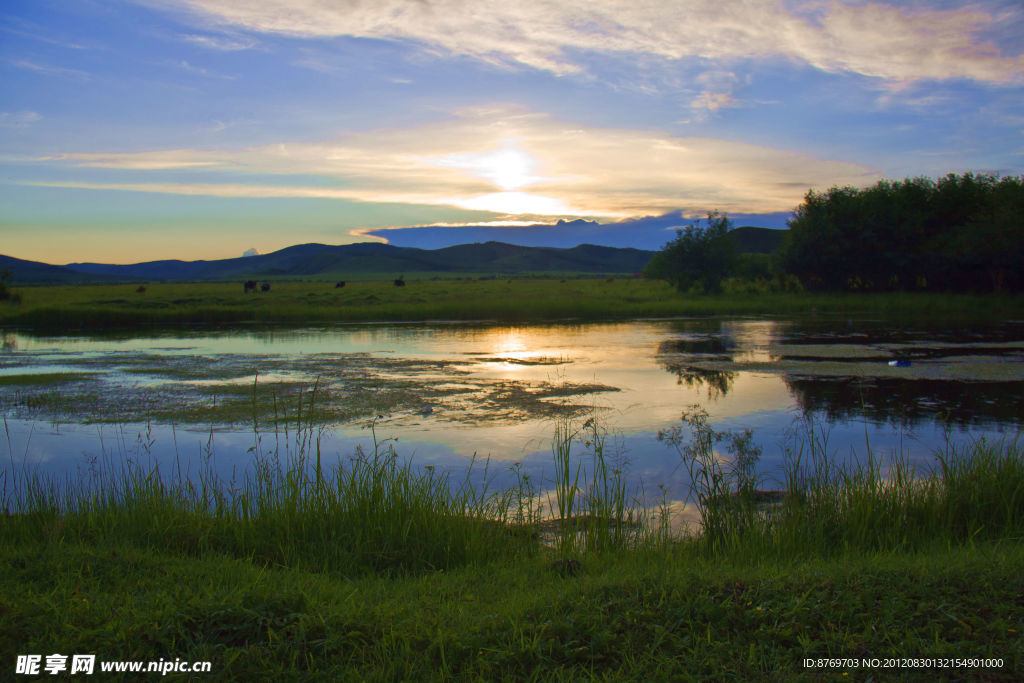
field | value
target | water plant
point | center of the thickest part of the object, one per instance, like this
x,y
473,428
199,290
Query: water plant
x,y
725,489
379,512
593,506
371,512
373,568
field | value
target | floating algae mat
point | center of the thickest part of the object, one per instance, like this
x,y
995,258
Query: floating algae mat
x,y
232,389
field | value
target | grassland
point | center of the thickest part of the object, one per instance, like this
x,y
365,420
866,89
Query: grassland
x,y
67,307
379,571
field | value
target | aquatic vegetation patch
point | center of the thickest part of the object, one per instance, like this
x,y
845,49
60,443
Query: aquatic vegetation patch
x,y
334,388
44,379
532,360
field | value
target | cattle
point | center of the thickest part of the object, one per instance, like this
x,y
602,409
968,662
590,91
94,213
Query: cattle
x,y
339,284
141,289
265,287
400,282
249,285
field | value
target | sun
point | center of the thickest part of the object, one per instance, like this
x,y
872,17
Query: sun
x,y
509,168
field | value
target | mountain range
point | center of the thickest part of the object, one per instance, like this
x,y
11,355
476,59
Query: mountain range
x,y
350,261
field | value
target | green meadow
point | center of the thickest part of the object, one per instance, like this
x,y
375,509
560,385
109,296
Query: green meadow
x,y
513,300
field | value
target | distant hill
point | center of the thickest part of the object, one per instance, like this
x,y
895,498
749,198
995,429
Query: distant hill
x,y
367,258
307,260
33,272
347,260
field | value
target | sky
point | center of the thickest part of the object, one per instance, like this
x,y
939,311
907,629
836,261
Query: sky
x,y
136,130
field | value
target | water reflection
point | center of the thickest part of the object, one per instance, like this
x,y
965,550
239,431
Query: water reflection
x,y
717,383
965,376
495,390
905,403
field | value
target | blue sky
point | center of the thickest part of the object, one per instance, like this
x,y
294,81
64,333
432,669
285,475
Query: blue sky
x,y
147,129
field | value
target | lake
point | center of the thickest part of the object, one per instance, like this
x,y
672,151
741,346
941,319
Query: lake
x,y
442,393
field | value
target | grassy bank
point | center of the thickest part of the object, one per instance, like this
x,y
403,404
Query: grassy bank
x,y
635,617
380,571
61,307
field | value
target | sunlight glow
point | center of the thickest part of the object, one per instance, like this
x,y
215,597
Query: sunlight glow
x,y
510,343
517,203
510,168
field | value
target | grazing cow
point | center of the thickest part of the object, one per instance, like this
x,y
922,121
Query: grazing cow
x,y
400,282
265,287
249,285
339,284
141,289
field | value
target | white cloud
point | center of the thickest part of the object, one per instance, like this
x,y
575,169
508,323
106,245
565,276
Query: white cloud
x,y
18,119
712,101
222,43
200,71
508,162
49,69
888,41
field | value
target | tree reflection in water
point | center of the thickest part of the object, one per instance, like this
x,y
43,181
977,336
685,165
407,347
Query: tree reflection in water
x,y
677,356
905,402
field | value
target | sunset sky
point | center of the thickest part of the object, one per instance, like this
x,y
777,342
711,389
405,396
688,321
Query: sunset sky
x,y
133,130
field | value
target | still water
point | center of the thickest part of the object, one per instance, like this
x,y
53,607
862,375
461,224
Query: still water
x,y
447,392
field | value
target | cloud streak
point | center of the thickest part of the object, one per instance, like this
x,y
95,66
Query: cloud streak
x,y
508,162
880,40
220,43
49,69
18,119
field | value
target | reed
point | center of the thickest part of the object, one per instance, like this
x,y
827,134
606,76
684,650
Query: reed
x,y
377,512
830,507
300,570
373,512
595,511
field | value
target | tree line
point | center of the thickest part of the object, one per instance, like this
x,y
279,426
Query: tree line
x,y
957,233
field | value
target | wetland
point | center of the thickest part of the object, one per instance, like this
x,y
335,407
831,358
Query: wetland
x,y
446,392
315,498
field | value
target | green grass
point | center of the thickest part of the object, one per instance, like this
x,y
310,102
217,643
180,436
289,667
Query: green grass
x,y
637,617
380,571
58,307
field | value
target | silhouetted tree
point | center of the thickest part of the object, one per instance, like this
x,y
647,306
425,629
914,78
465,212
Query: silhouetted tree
x,y
5,280
962,232
700,256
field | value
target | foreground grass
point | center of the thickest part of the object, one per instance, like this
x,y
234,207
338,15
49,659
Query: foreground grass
x,y
505,300
638,616
379,571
